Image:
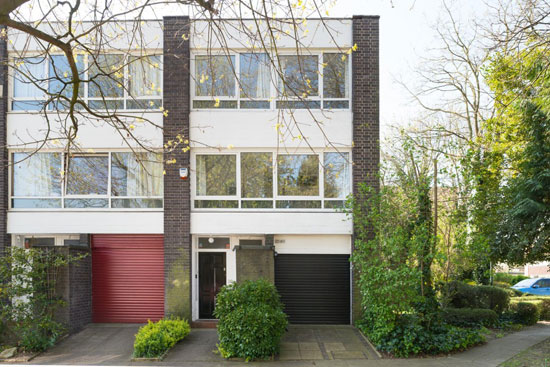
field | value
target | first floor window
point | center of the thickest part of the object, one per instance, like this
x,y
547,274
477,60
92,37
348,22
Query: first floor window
x,y
337,175
87,181
298,175
106,180
36,180
136,180
216,175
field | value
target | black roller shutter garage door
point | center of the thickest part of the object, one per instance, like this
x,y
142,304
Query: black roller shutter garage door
x,y
314,288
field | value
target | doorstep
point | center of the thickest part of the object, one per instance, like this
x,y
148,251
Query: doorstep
x,y
204,324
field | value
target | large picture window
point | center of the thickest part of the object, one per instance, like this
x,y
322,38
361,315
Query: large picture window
x,y
267,180
36,180
246,81
216,180
136,180
107,180
114,81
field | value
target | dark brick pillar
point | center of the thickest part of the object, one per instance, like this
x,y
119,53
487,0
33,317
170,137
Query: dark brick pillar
x,y
177,201
74,284
366,113
80,288
5,239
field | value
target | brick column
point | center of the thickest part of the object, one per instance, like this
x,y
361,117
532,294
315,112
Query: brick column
x,y
5,239
366,113
177,205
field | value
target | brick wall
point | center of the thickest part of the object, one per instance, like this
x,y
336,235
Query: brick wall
x,y
177,205
366,119
5,239
80,289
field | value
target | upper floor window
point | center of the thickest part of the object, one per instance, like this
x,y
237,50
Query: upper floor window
x,y
246,81
105,180
109,82
251,180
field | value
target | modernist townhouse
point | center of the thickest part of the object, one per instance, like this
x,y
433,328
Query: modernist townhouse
x,y
164,234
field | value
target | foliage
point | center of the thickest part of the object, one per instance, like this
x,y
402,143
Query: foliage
x,y
541,302
509,278
29,278
156,338
525,313
410,337
519,134
470,317
460,295
251,320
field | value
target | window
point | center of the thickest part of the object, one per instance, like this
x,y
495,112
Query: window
x,y
114,82
87,181
216,176
29,84
36,180
307,81
257,180
215,78
136,180
255,79
300,78
298,175
250,180
336,178
335,81
214,243
144,83
108,180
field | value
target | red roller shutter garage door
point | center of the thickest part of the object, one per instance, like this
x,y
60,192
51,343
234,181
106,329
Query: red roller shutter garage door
x,y
127,278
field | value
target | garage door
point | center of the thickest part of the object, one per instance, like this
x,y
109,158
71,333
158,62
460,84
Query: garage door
x,y
314,288
127,278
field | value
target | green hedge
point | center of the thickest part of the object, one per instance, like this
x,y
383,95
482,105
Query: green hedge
x,y
251,320
541,302
469,317
508,278
156,338
412,337
525,313
460,295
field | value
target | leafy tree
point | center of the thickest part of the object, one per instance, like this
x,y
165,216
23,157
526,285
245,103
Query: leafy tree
x,y
520,137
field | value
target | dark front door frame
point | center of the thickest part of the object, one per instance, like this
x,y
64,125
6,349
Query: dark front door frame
x,y
212,271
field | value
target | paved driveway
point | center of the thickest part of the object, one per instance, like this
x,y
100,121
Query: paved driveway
x,y
111,344
320,346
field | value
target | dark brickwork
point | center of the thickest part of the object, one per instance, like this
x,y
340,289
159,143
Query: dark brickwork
x,y
177,202
74,285
5,239
366,112
80,290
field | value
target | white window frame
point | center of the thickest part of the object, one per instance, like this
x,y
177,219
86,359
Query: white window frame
x,y
86,98
274,97
320,197
65,196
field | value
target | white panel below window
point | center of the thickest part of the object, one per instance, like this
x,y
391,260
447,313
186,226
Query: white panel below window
x,y
311,244
68,222
266,223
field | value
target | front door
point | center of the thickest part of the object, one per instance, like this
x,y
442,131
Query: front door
x,y
211,279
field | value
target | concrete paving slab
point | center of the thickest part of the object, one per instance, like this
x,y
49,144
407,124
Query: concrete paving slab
x,y
311,355
336,346
348,354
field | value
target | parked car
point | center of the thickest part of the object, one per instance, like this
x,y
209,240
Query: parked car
x,y
538,286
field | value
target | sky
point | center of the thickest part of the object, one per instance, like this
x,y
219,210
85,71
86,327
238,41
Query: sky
x,y
406,33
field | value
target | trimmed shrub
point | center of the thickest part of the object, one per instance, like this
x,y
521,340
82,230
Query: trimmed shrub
x,y
251,320
156,338
411,337
469,317
508,278
542,303
461,295
525,313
